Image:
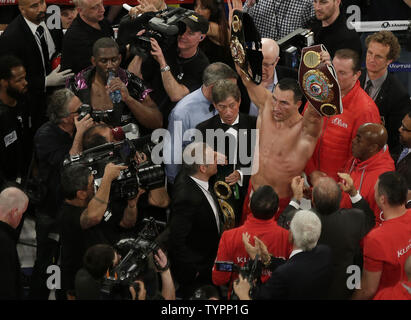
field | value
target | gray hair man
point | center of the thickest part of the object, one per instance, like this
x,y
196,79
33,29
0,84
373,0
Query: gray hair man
x,y
190,111
305,275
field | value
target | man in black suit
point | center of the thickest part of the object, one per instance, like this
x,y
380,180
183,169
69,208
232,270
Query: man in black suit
x,y
28,38
307,273
237,139
195,223
382,86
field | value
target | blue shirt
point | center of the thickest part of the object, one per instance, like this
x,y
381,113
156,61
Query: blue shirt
x,y
187,114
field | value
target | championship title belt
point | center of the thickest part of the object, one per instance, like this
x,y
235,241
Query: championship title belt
x,y
245,45
318,82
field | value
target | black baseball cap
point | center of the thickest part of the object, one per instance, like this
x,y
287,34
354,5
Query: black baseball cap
x,y
196,22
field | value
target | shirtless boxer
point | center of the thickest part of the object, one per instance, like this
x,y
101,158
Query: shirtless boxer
x,y
286,138
90,85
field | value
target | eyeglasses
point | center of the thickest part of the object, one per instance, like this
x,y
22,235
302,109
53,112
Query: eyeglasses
x,y
404,128
267,65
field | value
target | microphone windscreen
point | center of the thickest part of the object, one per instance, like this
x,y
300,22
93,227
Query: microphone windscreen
x,y
118,133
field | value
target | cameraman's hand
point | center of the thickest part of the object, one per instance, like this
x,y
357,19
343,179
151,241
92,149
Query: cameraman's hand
x,y
56,78
242,288
117,84
141,293
140,157
157,53
112,171
83,124
161,261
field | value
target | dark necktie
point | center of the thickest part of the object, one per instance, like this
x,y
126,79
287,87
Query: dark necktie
x,y
368,87
44,48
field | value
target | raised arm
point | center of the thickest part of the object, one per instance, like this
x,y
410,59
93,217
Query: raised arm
x,y
312,124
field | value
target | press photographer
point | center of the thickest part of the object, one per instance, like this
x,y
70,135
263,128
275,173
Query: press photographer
x,y
108,88
179,67
84,221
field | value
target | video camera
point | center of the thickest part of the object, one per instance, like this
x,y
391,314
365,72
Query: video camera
x,y
292,44
134,262
146,175
96,115
251,271
164,26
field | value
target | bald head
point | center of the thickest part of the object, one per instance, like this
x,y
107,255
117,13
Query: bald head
x,y
370,139
326,196
271,51
13,203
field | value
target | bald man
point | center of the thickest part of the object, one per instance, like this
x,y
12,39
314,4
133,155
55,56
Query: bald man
x,y
370,159
13,203
271,72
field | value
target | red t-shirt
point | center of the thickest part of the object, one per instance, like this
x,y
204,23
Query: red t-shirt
x,y
386,249
398,292
231,247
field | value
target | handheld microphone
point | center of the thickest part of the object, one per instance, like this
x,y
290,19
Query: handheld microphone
x,y
119,133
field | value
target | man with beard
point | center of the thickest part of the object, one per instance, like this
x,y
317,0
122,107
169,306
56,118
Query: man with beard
x,y
13,120
28,38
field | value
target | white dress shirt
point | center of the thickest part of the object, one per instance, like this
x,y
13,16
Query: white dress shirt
x,y
204,187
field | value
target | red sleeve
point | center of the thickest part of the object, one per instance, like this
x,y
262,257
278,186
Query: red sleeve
x,y
223,254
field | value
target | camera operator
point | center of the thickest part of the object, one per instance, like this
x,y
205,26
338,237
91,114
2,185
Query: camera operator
x,y
83,210
178,70
306,275
101,259
154,201
91,85
59,137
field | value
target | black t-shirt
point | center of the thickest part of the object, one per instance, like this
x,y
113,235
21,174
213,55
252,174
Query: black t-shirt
x,y
188,72
52,145
14,145
72,244
78,43
10,280
336,36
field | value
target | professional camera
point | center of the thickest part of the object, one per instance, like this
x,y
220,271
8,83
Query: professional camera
x,y
164,26
251,271
292,44
146,175
134,262
96,115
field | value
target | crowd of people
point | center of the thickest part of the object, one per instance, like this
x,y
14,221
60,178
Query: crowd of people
x,y
285,206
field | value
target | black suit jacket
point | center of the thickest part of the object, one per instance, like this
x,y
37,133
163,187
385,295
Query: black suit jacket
x,y
404,166
306,276
18,40
393,103
194,235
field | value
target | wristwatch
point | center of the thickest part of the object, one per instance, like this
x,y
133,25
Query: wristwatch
x,y
166,68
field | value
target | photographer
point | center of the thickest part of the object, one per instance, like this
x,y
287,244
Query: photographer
x,y
59,137
101,260
81,211
178,70
93,87
151,203
307,273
